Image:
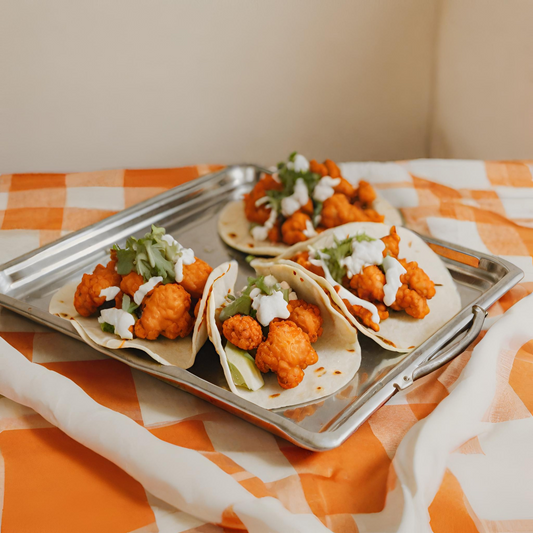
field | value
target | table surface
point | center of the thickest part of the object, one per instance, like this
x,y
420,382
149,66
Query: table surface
x,y
50,483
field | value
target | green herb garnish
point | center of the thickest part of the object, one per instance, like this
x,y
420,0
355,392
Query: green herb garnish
x,y
128,305
150,256
241,306
107,328
333,255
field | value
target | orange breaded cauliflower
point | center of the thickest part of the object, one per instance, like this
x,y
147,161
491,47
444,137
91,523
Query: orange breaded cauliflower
x,y
195,277
333,170
369,284
274,235
417,279
243,331
259,214
87,299
302,258
307,317
287,352
338,210
392,243
366,193
166,312
411,302
363,314
130,283
292,230
346,188
318,168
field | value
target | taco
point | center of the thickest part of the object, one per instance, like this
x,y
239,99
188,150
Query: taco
x,y
386,280
151,295
295,203
280,340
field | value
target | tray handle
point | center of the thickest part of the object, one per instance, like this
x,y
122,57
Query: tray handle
x,y
449,352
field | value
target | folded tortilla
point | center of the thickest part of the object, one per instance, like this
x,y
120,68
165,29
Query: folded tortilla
x,y
179,352
400,332
339,353
234,228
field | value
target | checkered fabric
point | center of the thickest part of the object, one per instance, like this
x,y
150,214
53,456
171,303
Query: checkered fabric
x,y
50,483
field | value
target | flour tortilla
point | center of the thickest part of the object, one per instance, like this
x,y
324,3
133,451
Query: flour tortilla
x,y
339,353
399,332
234,228
180,352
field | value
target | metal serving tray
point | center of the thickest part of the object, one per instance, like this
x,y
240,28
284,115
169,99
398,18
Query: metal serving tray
x,y
190,212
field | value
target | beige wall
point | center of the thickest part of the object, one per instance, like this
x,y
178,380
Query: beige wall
x,y
483,100
99,84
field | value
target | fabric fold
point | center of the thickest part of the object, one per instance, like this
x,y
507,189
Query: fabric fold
x,y
174,474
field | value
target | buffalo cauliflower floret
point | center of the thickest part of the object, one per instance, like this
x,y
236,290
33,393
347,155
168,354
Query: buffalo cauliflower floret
x,y
392,243
411,302
333,170
302,258
195,277
307,317
363,314
87,298
417,279
166,312
366,193
338,210
368,285
287,352
292,230
243,331
130,283
259,214
318,168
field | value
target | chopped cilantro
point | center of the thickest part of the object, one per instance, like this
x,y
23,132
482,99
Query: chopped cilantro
x,y
240,306
339,251
150,256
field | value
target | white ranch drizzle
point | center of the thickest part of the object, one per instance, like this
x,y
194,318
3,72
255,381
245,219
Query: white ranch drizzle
x,y
260,233
393,271
184,256
120,320
297,199
269,307
364,254
144,289
324,188
342,292
300,164
109,293
309,230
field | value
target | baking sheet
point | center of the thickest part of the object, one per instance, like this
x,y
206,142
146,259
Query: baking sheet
x,y
189,213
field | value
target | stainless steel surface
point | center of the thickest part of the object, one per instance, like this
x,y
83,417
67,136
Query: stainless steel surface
x,y
189,213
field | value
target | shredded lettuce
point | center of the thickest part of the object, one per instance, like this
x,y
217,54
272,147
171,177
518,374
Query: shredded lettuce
x,y
150,256
128,305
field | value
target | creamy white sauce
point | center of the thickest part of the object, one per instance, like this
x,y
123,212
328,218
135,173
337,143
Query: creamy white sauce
x,y
300,164
269,307
343,293
109,293
324,188
309,230
393,271
364,254
121,320
260,233
296,200
184,256
144,289
261,201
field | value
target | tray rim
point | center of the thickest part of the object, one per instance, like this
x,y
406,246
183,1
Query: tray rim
x,y
317,441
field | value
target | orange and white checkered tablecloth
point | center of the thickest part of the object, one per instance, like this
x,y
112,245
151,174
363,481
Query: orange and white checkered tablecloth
x,y
50,483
